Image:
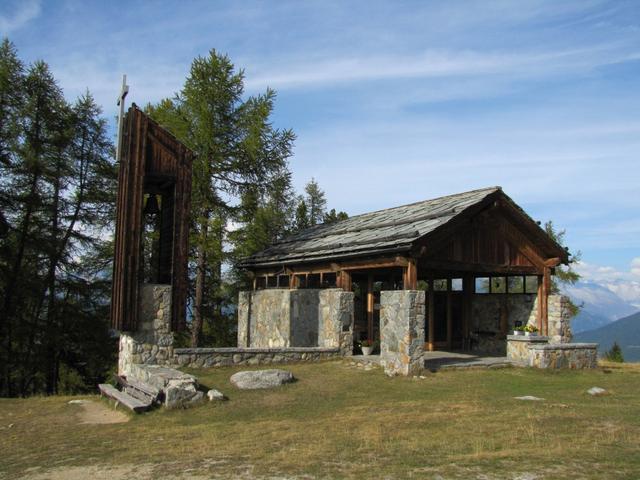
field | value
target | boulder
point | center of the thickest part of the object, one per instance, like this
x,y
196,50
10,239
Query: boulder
x,y
596,391
214,394
254,379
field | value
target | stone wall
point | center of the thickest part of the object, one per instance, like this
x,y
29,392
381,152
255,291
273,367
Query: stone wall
x,y
279,318
486,311
521,308
152,344
564,355
518,347
537,352
222,357
402,328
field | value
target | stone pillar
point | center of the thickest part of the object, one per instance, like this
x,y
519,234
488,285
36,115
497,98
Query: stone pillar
x,y
335,313
152,344
560,319
402,331
244,317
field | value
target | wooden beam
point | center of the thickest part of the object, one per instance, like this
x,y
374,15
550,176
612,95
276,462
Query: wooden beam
x,y
345,281
552,262
453,266
546,288
370,307
431,311
467,292
449,315
540,305
410,276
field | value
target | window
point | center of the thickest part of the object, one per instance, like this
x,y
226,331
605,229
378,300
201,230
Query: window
x,y
313,280
272,281
456,285
482,285
302,281
422,285
283,281
531,284
329,280
261,282
440,285
516,284
498,285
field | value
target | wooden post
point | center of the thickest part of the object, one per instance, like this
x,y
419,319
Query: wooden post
x,y
449,316
540,304
546,288
345,280
293,282
467,292
410,276
370,307
431,329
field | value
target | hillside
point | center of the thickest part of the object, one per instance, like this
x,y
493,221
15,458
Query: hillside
x,y
599,305
625,331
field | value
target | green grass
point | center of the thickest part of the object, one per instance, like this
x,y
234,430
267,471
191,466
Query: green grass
x,y
339,422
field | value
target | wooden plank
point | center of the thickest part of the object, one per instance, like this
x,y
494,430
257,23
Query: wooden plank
x,y
127,400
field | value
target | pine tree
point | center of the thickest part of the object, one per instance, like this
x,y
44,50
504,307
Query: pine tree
x,y
316,202
615,353
57,193
237,149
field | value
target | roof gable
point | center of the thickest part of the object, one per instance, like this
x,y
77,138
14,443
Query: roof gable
x,y
391,229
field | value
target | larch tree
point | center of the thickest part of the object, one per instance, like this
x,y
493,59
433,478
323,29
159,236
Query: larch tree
x,y
237,150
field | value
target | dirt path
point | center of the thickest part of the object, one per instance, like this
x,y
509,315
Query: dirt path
x,y
96,413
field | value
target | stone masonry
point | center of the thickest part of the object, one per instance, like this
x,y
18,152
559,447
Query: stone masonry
x,y
402,323
152,344
282,318
537,352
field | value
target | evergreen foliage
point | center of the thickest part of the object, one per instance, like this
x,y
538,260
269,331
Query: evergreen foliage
x,y
57,191
615,354
564,274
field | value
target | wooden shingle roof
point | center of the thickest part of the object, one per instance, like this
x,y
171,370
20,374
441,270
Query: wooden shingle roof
x,y
384,231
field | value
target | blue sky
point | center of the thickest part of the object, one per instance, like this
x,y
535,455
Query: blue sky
x,y
395,102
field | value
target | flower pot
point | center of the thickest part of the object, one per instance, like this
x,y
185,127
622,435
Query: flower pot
x,y
518,332
531,334
366,350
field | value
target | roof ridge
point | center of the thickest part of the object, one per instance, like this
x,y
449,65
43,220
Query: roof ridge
x,y
494,188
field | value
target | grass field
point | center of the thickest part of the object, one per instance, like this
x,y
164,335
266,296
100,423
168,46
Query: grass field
x,y
340,422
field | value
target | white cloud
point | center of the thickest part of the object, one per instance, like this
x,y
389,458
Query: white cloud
x,y
315,72
22,13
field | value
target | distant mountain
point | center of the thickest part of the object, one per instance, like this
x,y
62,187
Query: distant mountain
x,y
600,305
625,331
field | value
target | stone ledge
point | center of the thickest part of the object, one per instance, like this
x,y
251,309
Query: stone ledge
x,y
565,346
528,339
232,350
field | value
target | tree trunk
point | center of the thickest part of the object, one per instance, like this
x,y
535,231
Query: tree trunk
x,y
201,262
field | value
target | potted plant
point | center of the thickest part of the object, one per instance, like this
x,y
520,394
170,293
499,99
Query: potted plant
x,y
531,330
366,346
519,330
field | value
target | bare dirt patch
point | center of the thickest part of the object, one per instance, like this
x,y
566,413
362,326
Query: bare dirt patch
x,y
97,413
